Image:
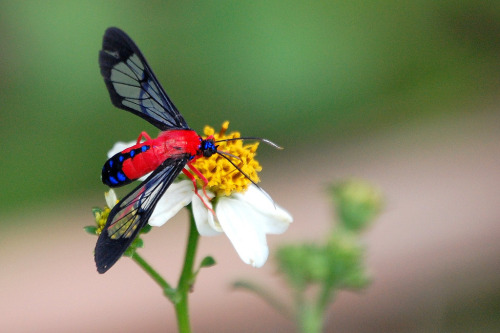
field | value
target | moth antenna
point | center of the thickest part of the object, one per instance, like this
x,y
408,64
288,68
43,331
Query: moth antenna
x,y
228,154
266,141
250,179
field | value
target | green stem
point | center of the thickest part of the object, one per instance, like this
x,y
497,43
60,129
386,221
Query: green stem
x,y
310,318
150,270
267,296
187,276
325,296
310,313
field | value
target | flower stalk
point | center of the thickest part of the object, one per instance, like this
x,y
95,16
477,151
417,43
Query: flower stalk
x,y
178,296
187,277
139,260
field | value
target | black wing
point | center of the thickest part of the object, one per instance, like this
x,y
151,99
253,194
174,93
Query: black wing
x,y
132,213
132,84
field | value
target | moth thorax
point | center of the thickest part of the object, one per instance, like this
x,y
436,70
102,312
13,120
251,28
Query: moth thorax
x,y
208,147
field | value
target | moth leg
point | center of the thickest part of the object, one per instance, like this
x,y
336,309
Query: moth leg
x,y
205,182
143,135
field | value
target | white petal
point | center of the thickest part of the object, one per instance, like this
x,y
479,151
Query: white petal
x,y
275,219
178,195
205,221
110,198
243,226
143,178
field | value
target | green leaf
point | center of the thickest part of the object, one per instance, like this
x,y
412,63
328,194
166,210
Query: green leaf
x,y
147,228
208,261
137,243
91,229
129,252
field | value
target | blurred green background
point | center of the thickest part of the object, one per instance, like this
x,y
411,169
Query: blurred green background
x,y
403,93
300,73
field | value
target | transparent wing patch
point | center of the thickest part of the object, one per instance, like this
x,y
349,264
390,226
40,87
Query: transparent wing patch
x,y
132,84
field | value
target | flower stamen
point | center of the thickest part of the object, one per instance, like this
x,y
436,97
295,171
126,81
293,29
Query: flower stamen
x,y
220,171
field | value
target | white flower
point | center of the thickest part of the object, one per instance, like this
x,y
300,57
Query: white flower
x,y
245,218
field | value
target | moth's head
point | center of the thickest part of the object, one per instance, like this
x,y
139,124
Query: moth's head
x,y
208,147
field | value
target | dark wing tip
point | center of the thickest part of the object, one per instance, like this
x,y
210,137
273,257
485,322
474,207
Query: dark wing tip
x,y
107,253
102,269
116,46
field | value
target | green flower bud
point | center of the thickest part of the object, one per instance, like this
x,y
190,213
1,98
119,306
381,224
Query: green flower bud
x,y
357,203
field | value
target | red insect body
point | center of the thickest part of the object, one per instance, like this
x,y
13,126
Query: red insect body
x,y
169,144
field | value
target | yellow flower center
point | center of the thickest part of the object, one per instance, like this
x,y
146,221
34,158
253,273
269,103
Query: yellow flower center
x,y
101,218
223,178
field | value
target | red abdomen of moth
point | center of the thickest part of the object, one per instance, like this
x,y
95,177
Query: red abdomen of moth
x,y
173,144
